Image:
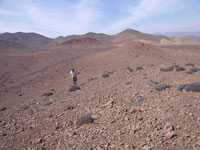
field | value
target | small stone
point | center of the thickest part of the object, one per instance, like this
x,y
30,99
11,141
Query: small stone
x,y
132,110
146,147
112,146
128,83
109,103
84,119
48,94
170,134
70,107
150,82
48,103
3,108
74,88
139,67
99,147
180,69
191,114
92,78
40,140
4,134
161,86
168,127
106,74
192,70
169,69
189,64
95,116
128,68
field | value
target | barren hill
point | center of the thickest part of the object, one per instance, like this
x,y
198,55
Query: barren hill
x,y
10,47
130,35
99,36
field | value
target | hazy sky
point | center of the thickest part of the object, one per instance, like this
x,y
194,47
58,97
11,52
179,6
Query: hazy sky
x,y
65,17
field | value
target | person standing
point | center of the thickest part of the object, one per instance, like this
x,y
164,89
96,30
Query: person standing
x,y
73,75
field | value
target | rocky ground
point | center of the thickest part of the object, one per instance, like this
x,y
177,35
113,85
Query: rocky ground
x,y
124,111
129,104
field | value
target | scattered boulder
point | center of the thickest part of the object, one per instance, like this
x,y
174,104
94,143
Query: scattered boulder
x,y
139,67
91,78
189,64
3,108
169,69
84,119
128,68
192,70
48,103
140,99
180,68
161,86
74,88
182,87
193,87
106,74
176,66
150,82
47,94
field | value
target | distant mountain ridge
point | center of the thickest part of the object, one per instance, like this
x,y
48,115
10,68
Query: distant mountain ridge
x,y
34,41
180,34
192,35
29,40
128,35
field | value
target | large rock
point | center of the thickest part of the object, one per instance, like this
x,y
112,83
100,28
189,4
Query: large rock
x,y
139,67
83,119
161,86
74,88
169,69
150,82
193,87
189,64
128,68
180,69
192,70
176,66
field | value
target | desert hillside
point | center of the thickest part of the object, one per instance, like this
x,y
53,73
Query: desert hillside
x,y
134,91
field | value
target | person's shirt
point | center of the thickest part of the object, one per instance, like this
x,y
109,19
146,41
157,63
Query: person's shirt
x,y
73,74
